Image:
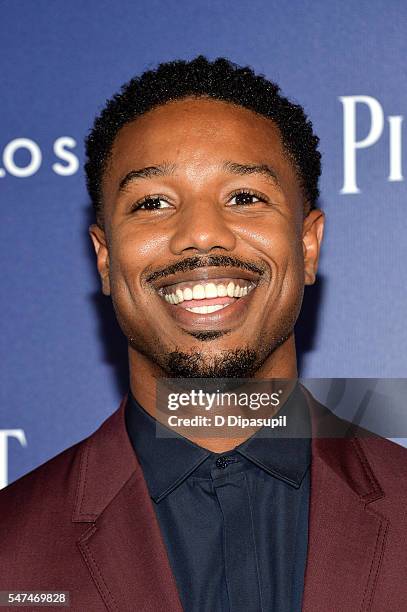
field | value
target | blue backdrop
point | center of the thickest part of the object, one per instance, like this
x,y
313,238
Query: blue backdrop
x,y
62,357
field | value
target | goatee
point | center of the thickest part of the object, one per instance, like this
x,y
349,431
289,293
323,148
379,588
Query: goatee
x,y
237,363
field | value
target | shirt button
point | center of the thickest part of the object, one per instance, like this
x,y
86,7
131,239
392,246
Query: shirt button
x,y
222,462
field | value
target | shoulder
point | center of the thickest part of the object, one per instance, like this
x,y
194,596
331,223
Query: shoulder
x,y
49,487
387,459
54,484
43,514
51,491
36,519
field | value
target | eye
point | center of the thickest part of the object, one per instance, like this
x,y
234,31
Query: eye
x,y
246,198
151,203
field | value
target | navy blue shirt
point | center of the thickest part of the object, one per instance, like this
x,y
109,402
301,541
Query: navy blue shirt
x,y
235,524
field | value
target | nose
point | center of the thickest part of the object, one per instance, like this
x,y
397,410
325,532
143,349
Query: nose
x,y
201,227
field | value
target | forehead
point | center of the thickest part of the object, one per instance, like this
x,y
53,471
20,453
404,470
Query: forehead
x,y
199,133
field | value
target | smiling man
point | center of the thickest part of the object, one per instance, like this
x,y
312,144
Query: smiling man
x,y
204,180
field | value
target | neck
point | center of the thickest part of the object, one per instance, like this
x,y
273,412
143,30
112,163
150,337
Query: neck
x,y
144,375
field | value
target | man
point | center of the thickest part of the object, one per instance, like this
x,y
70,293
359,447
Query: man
x,y
205,182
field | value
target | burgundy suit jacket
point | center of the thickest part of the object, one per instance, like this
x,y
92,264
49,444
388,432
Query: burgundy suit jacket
x,y
84,522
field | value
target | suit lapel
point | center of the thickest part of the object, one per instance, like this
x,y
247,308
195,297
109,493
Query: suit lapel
x,y
346,535
122,544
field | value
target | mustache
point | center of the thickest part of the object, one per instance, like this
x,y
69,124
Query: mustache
x,y
191,263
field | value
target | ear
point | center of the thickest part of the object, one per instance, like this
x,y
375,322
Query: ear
x,y
313,229
102,255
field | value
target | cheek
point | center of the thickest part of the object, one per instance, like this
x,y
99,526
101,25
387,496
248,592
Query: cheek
x,y
126,292
292,265
132,251
149,244
277,240
281,247
124,273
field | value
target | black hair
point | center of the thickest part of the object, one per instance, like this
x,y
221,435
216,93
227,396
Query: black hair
x,y
219,79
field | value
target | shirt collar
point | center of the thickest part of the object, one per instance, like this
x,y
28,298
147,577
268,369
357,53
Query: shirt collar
x,y
168,461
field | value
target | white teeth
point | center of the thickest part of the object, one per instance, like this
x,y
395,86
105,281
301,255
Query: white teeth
x,y
199,309
210,290
215,307
231,289
188,294
207,309
198,292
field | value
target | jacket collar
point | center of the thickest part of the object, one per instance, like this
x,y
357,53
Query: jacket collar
x,y
107,462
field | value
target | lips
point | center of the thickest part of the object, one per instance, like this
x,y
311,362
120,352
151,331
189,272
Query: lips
x,y
210,298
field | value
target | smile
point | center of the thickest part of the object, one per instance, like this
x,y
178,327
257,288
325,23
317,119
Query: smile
x,y
207,297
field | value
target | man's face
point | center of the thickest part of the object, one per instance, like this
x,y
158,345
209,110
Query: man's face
x,y
205,250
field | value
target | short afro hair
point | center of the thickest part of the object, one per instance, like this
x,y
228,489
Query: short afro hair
x,y
219,79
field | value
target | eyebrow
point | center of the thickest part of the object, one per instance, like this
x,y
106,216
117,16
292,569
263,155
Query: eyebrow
x,y
146,173
228,166
243,169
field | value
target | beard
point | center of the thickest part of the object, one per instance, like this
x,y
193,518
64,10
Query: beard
x,y
240,362
237,363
